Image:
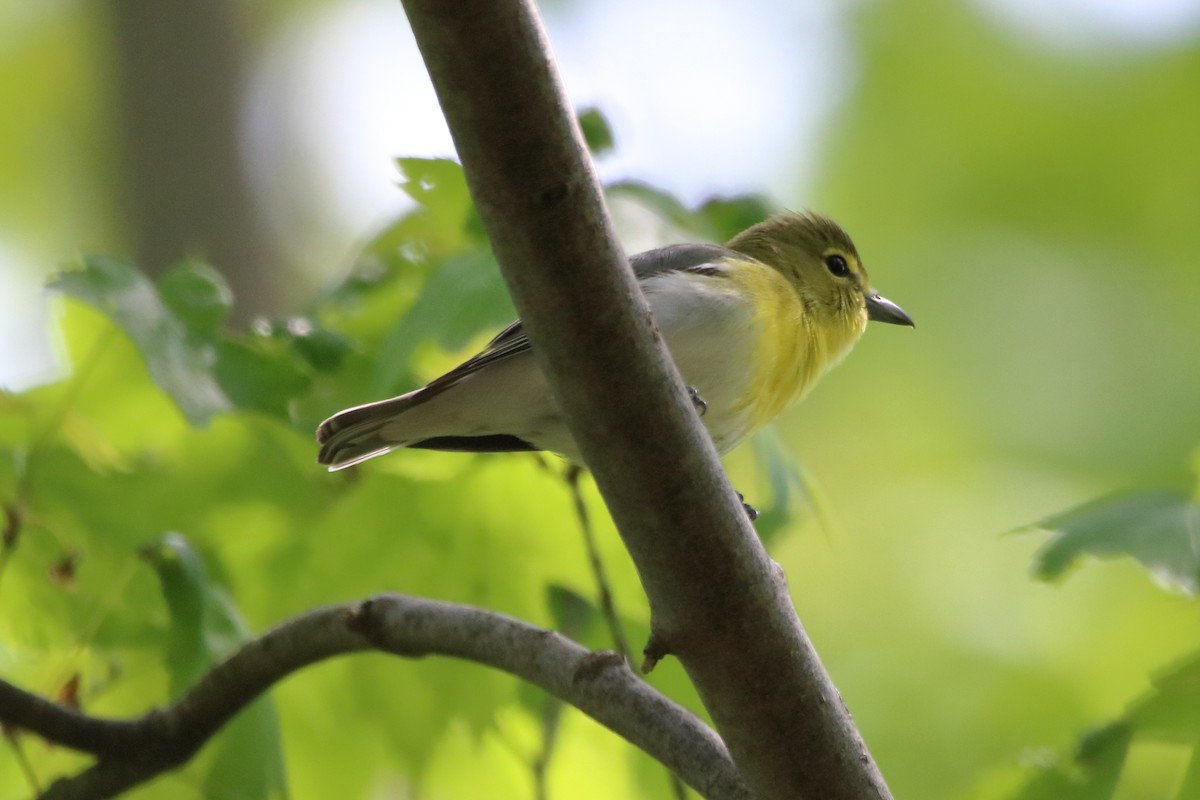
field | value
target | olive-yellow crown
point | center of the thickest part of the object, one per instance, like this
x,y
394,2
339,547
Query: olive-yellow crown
x,y
820,260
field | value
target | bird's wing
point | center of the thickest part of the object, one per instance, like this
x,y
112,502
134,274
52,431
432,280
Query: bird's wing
x,y
705,259
353,435
508,343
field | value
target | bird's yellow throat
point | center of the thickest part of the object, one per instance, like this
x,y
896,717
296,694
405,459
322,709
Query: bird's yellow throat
x,y
797,342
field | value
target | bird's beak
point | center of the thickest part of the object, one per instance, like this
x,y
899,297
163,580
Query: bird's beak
x,y
880,309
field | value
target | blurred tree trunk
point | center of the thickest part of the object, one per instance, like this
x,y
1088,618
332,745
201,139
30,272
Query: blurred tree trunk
x,y
179,71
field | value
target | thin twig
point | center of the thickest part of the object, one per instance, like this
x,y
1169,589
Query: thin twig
x,y
14,743
551,715
604,589
603,585
131,752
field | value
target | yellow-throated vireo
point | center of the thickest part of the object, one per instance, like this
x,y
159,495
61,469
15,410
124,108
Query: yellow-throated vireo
x,y
751,326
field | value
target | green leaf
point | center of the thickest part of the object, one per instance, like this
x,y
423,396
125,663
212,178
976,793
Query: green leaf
x,y
1189,787
665,204
572,613
463,296
1161,529
249,758
197,295
190,652
1102,753
790,493
205,628
389,273
728,216
254,376
1171,709
596,132
440,187
574,616
1093,774
322,349
717,219
181,368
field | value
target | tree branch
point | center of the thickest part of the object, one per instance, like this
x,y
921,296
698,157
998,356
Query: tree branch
x,y
716,598
130,752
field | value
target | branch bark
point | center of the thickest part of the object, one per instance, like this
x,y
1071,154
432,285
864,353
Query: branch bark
x,y
131,752
717,601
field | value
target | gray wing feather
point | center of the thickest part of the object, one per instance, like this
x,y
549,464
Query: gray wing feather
x,y
512,341
680,258
355,434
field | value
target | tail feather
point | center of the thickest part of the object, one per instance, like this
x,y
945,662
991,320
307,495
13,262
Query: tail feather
x,y
356,434
346,446
352,436
339,456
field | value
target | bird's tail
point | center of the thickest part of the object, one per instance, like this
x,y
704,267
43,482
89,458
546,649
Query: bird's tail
x,y
356,434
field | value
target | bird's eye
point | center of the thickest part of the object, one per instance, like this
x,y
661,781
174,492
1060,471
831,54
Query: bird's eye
x,y
837,265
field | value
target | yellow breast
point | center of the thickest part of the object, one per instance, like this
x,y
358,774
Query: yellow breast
x,y
796,345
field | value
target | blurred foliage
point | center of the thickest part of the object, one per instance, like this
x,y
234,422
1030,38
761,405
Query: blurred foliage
x,y
1031,204
204,629
596,132
1161,530
184,449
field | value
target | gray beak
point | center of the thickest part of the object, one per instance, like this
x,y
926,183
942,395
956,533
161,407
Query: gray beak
x,y
880,309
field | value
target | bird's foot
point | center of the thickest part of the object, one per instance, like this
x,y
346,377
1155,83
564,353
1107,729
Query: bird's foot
x,y
656,650
751,511
697,400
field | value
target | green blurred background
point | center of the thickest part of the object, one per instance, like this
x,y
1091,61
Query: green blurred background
x,y
1022,177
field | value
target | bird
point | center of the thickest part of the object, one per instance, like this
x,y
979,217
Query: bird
x,y
752,325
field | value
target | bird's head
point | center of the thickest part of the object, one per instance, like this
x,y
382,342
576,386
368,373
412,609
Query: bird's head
x,y
819,259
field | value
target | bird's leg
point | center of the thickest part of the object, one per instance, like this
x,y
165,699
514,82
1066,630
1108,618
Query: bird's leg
x,y
656,650
701,407
697,400
751,511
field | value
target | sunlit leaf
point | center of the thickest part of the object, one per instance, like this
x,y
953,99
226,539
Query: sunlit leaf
x,y
190,652
440,187
463,296
181,368
205,627
1171,709
1189,787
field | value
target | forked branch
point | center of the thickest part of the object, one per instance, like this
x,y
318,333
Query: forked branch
x,y
130,752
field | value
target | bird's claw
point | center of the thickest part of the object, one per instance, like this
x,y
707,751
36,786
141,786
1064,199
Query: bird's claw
x,y
751,511
697,400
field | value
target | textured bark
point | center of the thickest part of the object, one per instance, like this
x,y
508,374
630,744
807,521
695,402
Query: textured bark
x,y
717,600
131,752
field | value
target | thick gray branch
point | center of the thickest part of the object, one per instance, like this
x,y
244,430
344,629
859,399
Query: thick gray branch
x,y
601,685
715,598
